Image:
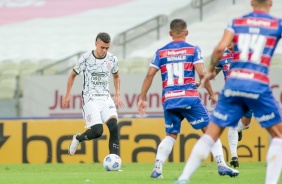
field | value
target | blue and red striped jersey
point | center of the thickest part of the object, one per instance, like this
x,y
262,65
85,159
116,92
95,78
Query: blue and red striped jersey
x,y
176,62
224,62
256,37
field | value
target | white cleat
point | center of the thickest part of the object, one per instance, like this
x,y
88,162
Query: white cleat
x,y
225,170
73,145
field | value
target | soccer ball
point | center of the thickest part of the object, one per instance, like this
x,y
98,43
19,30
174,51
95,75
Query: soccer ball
x,y
112,162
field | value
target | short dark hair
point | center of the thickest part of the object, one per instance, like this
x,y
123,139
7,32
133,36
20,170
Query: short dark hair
x,y
261,1
178,25
105,37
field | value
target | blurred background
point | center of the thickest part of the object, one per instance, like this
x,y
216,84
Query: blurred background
x,y
40,41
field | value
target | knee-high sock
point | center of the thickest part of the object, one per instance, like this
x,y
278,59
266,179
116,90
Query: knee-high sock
x,y
163,152
233,141
218,153
274,161
241,126
199,153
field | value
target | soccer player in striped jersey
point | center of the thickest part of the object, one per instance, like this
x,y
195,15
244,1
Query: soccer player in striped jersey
x,y
255,36
234,133
177,62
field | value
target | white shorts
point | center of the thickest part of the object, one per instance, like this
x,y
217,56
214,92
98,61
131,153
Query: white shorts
x,y
98,111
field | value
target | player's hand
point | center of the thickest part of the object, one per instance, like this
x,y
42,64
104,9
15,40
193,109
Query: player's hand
x,y
66,101
213,99
198,84
118,101
208,76
142,107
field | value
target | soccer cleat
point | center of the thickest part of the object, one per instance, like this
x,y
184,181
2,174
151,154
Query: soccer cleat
x,y
155,174
225,170
181,182
73,145
234,162
240,135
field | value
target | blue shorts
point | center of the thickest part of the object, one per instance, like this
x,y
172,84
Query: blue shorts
x,y
197,115
232,105
249,114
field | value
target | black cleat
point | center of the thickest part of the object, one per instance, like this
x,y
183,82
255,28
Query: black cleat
x,y
234,162
240,135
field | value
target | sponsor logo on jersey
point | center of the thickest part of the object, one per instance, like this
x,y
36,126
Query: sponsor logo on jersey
x,y
254,22
229,93
197,121
169,126
266,117
99,83
176,52
101,74
176,58
219,115
174,94
242,75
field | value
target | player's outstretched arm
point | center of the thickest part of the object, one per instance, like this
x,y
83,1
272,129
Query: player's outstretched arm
x,y
142,106
66,99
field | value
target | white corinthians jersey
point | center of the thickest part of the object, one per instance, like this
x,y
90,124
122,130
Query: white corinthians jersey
x,y
96,73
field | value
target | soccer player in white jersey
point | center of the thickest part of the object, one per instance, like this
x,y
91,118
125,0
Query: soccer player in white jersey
x,y
255,36
98,107
178,61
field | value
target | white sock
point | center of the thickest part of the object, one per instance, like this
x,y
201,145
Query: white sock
x,y
163,152
274,161
233,141
199,153
218,153
241,126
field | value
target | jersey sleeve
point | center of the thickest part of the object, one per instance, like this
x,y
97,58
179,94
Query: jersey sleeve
x,y
115,65
230,26
198,56
156,62
80,65
219,65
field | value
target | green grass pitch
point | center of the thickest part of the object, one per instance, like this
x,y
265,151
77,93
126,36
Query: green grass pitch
x,y
132,173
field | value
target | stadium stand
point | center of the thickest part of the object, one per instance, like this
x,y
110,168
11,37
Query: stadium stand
x,y
55,36
207,33
32,45
37,34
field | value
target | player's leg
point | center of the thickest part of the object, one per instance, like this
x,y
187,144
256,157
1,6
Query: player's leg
x,y
200,151
112,125
273,158
110,117
233,143
204,145
92,118
217,153
235,134
244,124
172,123
199,118
269,114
